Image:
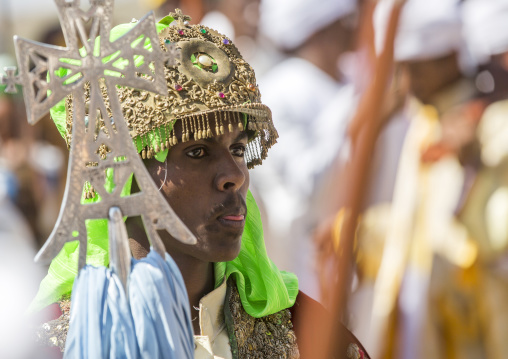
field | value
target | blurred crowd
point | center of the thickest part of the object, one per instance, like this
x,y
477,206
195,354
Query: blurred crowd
x,y
431,249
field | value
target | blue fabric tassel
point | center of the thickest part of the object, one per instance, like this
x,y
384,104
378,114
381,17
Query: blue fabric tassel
x,y
153,323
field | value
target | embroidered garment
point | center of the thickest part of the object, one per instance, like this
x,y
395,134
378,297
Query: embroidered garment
x,y
213,341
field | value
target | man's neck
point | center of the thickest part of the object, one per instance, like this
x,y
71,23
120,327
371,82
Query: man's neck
x,y
199,280
455,93
327,64
198,275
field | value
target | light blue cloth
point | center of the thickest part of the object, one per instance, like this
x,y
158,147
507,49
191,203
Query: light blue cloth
x,y
160,308
154,323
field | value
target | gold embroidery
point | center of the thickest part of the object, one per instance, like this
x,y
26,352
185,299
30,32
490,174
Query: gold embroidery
x,y
267,337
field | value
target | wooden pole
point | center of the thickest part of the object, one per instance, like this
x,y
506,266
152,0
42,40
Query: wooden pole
x,y
365,128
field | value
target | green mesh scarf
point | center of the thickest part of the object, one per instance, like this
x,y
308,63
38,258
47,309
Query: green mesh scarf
x,y
263,288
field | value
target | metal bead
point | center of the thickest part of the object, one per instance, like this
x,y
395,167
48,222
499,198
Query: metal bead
x,y
205,60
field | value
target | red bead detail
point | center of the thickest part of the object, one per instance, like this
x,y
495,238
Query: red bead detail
x,y
221,95
180,32
178,87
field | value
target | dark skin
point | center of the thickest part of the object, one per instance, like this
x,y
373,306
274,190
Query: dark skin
x,y
324,48
206,185
428,77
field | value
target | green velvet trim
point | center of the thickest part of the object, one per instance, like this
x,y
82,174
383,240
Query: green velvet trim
x,y
263,288
64,267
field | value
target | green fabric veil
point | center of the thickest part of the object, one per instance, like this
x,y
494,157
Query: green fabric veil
x,y
263,288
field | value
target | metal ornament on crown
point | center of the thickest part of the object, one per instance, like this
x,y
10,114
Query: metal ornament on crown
x,y
43,88
210,77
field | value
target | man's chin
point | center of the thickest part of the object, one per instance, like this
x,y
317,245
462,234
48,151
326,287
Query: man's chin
x,y
226,253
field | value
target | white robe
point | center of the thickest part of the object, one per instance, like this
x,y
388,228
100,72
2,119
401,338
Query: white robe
x,y
297,92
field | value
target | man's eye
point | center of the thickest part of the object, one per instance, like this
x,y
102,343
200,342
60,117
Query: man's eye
x,y
196,152
238,151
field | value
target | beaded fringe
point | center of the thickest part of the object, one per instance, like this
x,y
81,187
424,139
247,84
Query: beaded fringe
x,y
197,127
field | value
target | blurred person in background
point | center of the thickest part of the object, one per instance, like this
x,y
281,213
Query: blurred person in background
x,y
329,196
297,88
36,163
429,311
485,207
329,203
19,276
15,143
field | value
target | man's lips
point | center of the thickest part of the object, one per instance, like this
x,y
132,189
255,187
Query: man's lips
x,y
232,217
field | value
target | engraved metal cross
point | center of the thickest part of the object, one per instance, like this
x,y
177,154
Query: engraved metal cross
x,y
11,80
49,74
179,17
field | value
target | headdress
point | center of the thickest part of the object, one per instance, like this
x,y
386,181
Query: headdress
x,y
427,29
289,23
210,79
485,27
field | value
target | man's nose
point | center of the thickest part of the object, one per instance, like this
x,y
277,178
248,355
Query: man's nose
x,y
230,174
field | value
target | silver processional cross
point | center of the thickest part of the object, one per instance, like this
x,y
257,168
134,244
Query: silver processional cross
x,y
43,88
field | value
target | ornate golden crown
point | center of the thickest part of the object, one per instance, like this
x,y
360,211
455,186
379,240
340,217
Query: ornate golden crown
x,y
209,78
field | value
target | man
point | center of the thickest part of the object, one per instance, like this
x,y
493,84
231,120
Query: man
x,y
425,245
484,209
198,143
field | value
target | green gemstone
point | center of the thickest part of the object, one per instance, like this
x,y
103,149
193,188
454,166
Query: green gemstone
x,y
167,41
203,31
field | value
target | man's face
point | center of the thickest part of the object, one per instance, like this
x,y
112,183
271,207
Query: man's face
x,y
206,184
428,77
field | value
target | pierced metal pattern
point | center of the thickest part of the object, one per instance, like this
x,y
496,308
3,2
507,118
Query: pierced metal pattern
x,y
112,64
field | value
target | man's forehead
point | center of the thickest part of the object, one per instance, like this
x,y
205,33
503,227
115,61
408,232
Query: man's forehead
x,y
236,136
